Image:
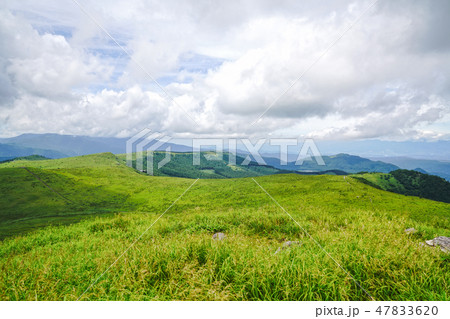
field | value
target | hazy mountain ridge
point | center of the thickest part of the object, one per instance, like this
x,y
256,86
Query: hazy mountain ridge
x,y
433,167
59,146
344,162
11,151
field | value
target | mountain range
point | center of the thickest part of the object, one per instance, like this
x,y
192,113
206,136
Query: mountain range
x,y
343,162
60,146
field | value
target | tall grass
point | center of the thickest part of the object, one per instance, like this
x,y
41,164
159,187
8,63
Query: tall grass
x,y
177,259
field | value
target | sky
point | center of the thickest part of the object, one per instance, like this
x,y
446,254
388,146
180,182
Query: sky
x,y
328,70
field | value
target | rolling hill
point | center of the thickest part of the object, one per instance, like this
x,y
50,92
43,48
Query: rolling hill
x,y
411,183
65,221
26,158
211,166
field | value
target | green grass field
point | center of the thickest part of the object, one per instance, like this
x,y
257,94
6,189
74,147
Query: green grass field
x,y
58,240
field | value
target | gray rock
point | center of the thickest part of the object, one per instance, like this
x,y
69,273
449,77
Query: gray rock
x,y
430,242
219,236
290,243
441,241
410,231
287,244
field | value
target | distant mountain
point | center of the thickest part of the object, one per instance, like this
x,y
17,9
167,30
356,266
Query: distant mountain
x,y
418,169
10,151
342,162
57,146
437,150
68,144
439,168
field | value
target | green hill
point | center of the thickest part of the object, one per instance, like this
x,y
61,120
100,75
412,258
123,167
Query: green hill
x,y
211,166
412,183
176,258
26,158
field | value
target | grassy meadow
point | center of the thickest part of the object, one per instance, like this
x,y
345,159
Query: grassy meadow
x,y
57,241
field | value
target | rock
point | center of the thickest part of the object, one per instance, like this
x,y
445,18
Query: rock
x,y
444,243
410,231
219,236
441,241
290,243
287,244
430,242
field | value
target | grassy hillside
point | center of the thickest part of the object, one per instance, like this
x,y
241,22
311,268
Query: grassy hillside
x,y
26,158
412,183
89,185
383,181
360,226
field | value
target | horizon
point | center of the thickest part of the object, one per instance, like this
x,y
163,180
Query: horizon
x,y
371,149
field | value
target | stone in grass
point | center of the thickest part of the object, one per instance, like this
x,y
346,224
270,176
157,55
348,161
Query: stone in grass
x,y
287,244
441,241
410,231
219,236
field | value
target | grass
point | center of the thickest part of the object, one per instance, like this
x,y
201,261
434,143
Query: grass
x,y
360,226
409,183
384,181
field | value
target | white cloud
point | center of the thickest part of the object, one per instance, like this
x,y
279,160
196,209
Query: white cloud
x,y
388,77
44,65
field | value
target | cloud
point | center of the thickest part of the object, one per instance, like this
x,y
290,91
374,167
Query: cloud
x,y
225,63
103,113
43,65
